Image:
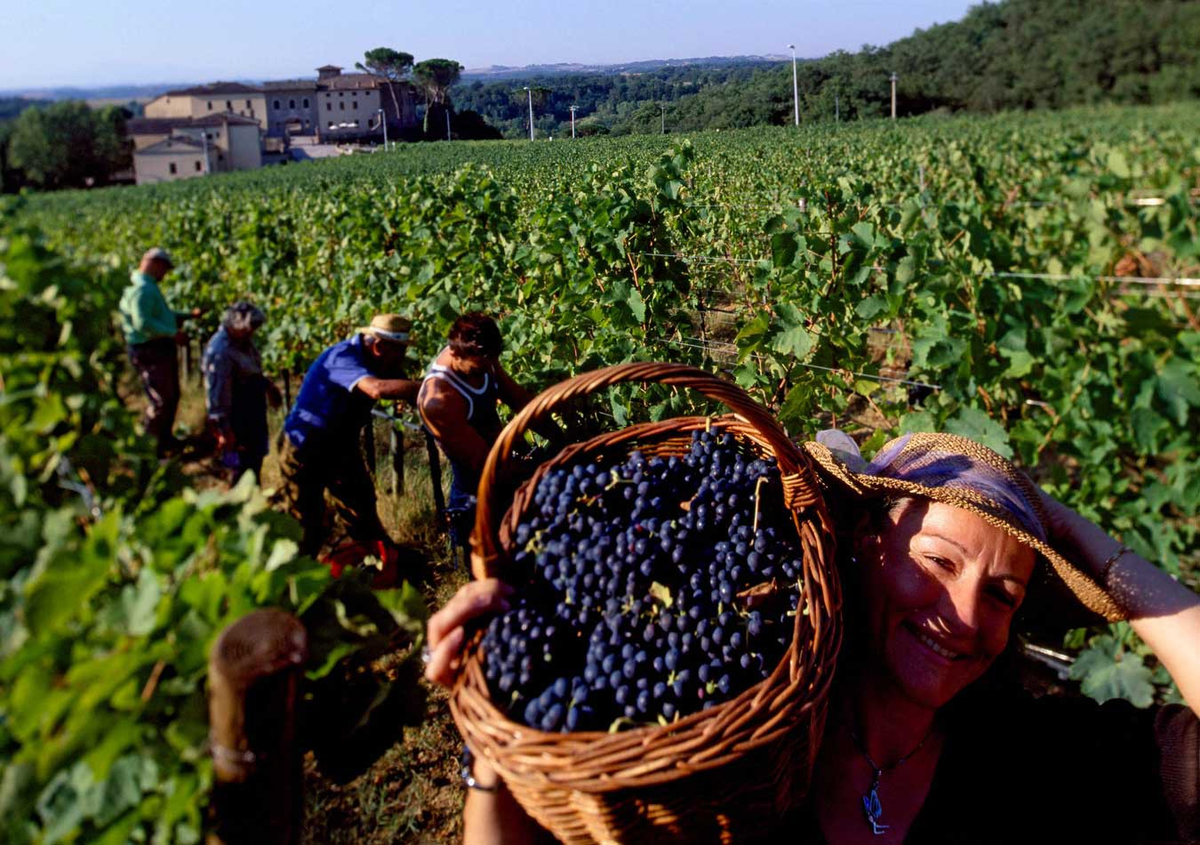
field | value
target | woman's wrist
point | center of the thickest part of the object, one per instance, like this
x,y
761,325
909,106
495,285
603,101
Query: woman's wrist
x,y
477,775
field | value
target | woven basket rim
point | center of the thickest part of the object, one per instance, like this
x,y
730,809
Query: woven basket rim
x,y
677,428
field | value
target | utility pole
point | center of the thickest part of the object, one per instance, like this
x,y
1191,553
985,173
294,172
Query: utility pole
x,y
795,84
837,109
894,78
530,93
447,123
573,120
663,116
383,122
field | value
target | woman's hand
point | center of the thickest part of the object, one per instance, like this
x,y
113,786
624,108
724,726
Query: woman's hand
x,y
1081,540
445,632
1163,612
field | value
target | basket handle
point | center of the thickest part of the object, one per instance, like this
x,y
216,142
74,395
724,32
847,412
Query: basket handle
x,y
800,484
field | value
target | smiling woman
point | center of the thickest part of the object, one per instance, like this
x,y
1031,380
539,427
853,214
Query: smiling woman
x,y
946,550
949,550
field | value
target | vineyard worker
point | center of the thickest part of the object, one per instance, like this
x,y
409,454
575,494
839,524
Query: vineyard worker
x,y
152,331
237,392
320,449
458,404
944,549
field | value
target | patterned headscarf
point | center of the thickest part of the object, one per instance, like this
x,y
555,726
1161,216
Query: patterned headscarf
x,y
960,472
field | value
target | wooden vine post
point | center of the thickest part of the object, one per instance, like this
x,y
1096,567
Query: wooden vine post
x,y
254,682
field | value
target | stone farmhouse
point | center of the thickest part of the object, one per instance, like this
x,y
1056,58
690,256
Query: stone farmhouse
x,y
229,125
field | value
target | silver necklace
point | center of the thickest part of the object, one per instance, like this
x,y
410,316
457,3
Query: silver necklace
x,y
870,801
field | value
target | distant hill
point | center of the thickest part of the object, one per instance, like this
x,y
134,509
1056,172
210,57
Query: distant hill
x,y
101,92
603,96
10,107
498,72
1014,54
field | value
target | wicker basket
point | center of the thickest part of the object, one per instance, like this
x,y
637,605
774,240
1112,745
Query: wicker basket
x,y
724,774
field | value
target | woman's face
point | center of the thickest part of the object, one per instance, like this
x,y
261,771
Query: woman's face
x,y
941,587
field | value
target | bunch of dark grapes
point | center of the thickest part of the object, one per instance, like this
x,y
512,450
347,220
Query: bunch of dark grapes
x,y
655,587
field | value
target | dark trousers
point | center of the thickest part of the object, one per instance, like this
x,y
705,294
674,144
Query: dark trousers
x,y
158,368
339,469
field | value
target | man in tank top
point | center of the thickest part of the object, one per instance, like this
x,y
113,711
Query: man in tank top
x,y
458,403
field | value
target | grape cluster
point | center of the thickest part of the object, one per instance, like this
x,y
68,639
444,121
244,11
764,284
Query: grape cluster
x,y
655,587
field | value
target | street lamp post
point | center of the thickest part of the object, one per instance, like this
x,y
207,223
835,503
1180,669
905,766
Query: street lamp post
x,y
573,120
795,84
383,122
529,91
894,78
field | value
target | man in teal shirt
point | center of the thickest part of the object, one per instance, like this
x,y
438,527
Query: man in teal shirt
x,y
151,331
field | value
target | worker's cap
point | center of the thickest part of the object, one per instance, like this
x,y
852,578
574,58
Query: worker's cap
x,y
157,253
391,327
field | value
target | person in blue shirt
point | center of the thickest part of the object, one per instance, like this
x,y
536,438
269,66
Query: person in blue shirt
x,y
237,391
320,451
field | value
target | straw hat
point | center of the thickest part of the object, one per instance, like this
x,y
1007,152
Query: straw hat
x,y
391,327
960,472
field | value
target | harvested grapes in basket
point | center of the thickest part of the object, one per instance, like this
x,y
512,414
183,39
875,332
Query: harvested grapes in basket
x,y
651,588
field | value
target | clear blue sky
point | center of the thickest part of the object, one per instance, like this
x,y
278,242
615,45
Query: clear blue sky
x,y
100,42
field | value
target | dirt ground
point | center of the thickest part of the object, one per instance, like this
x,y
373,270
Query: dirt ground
x,y
412,793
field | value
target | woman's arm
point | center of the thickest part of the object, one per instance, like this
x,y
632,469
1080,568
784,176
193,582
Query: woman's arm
x,y
495,818
1163,612
491,815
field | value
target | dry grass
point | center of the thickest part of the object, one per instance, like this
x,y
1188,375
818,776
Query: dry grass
x,y
412,793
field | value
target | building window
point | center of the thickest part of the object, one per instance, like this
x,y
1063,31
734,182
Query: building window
x,y
173,168
354,104
210,105
229,105
331,124
329,107
198,167
248,105
276,104
291,104
307,124
341,106
306,102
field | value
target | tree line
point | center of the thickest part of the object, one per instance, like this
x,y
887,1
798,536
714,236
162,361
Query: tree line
x,y
1015,54
61,145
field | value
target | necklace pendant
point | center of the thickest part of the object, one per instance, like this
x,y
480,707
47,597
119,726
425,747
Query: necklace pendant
x,y
874,810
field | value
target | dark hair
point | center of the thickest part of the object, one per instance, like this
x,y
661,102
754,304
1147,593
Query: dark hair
x,y
475,335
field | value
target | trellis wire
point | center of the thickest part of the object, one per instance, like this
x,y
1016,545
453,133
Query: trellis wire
x,y
716,346
1052,277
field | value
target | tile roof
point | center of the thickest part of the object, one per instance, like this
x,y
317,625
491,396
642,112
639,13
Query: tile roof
x,y
174,145
160,125
290,85
215,88
349,81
